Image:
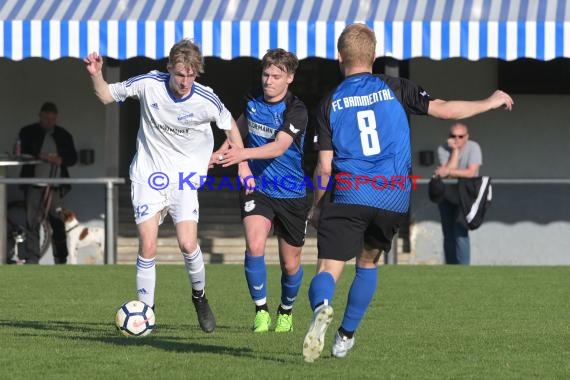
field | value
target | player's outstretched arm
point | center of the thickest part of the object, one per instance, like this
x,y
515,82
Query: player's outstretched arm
x,y
94,66
461,109
233,135
273,149
234,140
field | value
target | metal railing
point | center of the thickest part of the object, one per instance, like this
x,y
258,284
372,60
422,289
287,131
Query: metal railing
x,y
392,256
512,181
109,183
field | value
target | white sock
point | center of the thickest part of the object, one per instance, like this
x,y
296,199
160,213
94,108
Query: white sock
x,y
260,302
194,263
146,280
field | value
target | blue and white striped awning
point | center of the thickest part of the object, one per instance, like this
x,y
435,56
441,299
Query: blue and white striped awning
x,y
436,29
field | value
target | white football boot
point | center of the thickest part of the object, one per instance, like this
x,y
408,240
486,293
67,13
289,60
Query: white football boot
x,y
341,345
315,338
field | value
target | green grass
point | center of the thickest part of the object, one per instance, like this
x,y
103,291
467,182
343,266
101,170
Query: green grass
x,y
425,323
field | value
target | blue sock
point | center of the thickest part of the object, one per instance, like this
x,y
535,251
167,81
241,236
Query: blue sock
x,y
256,276
359,297
321,289
290,286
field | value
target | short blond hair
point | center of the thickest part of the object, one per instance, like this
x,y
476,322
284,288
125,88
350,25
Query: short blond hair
x,y
357,45
188,53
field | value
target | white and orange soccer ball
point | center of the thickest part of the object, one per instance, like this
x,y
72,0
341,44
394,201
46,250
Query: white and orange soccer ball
x,y
135,318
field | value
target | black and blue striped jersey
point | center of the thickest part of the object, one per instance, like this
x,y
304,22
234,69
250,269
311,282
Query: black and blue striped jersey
x,y
283,176
364,122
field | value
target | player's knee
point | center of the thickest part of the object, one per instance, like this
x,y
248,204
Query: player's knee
x,y
188,246
148,249
369,257
256,248
290,266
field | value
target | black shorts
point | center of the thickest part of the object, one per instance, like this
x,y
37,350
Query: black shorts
x,y
288,215
345,229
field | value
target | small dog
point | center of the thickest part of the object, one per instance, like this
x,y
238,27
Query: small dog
x,y
80,236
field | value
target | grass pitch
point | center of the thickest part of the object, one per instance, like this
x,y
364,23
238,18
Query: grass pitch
x,y
424,323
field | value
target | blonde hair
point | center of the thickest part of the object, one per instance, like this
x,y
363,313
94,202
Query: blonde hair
x,y
188,53
357,45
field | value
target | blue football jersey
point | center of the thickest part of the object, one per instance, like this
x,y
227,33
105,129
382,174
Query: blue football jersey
x,y
364,122
283,176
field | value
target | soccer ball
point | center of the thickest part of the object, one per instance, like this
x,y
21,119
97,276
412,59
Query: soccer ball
x,y
135,318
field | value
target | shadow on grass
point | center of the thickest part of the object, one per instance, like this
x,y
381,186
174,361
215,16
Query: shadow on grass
x,y
165,338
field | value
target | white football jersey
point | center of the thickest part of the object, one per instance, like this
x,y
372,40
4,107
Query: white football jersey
x,y
174,134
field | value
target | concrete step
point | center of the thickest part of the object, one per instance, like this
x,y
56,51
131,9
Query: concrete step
x,y
204,230
227,228
216,250
213,244
227,250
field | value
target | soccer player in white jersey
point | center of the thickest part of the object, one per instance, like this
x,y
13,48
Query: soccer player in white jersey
x,y
174,145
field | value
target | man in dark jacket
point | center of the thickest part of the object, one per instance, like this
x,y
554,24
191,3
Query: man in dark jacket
x,y
54,146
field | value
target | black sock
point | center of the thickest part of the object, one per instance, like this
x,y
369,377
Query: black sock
x,y
262,307
280,310
348,334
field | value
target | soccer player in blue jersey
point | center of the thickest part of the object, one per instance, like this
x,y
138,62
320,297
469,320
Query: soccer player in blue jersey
x,y
174,137
363,138
275,122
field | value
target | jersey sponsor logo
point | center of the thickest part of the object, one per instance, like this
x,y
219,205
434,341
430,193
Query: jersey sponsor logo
x,y
184,116
258,287
293,129
261,130
154,105
249,206
172,131
252,109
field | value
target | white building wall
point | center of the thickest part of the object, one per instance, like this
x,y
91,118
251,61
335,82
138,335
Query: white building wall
x,y
526,224
516,144
25,86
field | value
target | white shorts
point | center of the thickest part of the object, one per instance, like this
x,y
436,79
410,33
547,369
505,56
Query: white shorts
x,y
182,204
